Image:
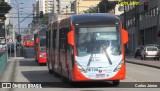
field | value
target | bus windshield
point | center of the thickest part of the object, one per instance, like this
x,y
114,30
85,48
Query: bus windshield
x,y
30,38
97,40
43,41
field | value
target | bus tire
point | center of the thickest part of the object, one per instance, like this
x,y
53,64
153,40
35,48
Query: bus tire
x,y
144,57
116,83
36,60
55,74
49,69
141,58
40,64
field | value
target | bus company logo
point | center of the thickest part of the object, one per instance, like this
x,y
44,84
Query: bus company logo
x,y
6,85
100,71
20,85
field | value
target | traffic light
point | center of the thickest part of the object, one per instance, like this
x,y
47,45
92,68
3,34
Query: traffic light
x,y
41,14
145,6
18,37
72,6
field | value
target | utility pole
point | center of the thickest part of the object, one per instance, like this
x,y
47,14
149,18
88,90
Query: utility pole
x,y
19,33
157,27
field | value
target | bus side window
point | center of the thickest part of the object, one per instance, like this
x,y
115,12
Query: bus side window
x,y
66,43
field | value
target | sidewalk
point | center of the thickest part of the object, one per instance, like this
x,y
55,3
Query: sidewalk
x,y
8,72
148,62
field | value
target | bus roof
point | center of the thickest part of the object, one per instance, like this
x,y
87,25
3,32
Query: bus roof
x,y
95,18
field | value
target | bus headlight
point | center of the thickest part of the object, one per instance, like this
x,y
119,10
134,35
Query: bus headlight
x,y
118,66
81,69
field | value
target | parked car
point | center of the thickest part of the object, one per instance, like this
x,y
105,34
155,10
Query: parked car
x,y
138,51
150,52
154,45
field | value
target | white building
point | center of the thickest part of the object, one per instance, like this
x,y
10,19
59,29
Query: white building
x,y
45,5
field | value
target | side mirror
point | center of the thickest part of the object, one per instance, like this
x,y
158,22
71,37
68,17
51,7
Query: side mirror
x,y
37,40
124,36
70,37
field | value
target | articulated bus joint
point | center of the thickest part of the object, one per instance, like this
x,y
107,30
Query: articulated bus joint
x,y
72,59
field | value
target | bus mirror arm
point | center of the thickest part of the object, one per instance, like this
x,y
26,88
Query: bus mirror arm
x,y
124,36
70,37
37,40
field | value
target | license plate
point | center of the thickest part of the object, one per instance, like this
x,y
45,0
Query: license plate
x,y
100,75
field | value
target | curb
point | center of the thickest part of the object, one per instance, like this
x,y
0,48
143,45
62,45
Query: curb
x,y
153,66
8,73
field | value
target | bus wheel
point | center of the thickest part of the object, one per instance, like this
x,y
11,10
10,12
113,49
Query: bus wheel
x,y
50,71
116,83
49,68
40,64
36,60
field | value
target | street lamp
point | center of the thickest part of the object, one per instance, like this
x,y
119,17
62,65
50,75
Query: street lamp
x,y
18,10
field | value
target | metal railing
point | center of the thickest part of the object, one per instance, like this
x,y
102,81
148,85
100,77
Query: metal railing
x,y
3,62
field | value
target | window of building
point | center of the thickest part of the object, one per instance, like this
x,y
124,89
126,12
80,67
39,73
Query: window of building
x,y
131,22
140,17
134,21
145,14
154,11
151,12
148,14
128,23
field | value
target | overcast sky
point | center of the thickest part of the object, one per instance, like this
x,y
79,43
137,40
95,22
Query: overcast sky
x,y
27,10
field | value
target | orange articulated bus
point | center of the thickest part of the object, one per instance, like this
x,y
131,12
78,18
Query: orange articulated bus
x,y
29,40
40,46
87,47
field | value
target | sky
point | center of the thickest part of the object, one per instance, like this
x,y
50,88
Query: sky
x,y
27,10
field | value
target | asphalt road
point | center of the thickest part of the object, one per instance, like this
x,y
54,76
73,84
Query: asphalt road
x,y
28,52
27,70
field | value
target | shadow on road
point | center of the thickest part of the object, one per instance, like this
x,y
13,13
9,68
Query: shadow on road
x,y
49,81
28,63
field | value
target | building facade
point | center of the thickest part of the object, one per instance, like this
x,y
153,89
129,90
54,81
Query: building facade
x,y
142,25
82,5
45,5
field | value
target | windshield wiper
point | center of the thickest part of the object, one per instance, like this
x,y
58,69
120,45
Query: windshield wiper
x,y
90,59
106,53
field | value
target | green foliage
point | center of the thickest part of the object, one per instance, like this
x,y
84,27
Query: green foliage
x,y
44,20
4,8
106,6
1,1
103,7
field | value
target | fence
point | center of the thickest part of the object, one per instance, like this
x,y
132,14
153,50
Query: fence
x,y
3,62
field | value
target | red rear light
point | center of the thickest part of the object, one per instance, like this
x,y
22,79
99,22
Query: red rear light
x,y
145,53
158,53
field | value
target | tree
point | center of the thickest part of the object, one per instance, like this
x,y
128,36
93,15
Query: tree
x,y
105,5
4,9
44,20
